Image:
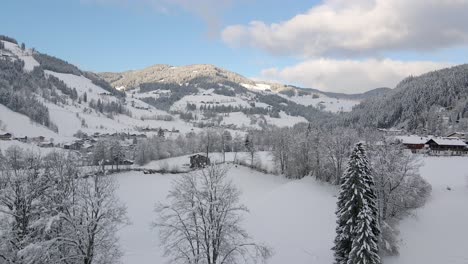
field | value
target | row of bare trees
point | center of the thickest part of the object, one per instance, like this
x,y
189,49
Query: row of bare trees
x,y
50,213
323,153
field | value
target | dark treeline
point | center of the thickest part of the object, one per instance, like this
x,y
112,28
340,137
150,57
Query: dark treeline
x,y
9,39
54,64
111,107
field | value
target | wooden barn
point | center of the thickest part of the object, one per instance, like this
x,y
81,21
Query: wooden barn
x,y
199,161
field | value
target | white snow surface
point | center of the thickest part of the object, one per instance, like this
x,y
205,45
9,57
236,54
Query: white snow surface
x,y
257,86
412,139
82,85
20,126
296,217
26,55
437,232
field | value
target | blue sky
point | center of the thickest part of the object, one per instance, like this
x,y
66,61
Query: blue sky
x,y
334,45
105,37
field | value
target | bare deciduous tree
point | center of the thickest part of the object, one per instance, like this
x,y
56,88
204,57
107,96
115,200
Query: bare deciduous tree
x,y
202,222
399,187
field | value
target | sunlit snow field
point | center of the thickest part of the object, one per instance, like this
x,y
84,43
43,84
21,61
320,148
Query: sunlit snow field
x,y
296,217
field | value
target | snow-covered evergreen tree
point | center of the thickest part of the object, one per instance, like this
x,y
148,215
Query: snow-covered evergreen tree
x,y
358,230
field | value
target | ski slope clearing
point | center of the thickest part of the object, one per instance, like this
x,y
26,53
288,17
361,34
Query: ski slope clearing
x,y
297,219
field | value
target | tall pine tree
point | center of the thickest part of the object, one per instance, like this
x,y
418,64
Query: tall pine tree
x,y
358,231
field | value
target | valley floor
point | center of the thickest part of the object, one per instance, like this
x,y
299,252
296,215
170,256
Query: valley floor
x,y
296,218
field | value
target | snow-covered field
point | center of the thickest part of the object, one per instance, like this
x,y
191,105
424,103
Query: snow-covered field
x,y
438,232
296,217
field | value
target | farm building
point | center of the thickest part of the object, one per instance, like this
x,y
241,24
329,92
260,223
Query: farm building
x,y
199,161
447,144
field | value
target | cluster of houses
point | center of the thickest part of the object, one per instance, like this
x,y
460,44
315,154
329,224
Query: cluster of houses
x,y
40,140
453,144
161,131
84,146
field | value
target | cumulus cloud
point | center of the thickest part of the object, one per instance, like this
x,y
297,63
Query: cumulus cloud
x,y
208,10
349,76
360,27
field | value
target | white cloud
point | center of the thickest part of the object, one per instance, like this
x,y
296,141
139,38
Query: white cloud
x,y
360,27
349,76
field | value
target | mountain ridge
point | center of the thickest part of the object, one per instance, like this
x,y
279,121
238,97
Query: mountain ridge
x,y
165,73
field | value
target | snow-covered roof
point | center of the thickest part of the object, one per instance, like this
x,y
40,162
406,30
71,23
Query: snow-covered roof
x,y
458,134
413,139
449,142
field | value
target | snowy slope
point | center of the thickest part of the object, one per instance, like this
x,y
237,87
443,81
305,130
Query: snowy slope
x,y
20,126
82,85
26,55
316,99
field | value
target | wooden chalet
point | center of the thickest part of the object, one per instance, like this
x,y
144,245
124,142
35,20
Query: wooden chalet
x,y
413,143
6,136
199,161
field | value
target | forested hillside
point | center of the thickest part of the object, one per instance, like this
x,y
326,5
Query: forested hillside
x,y
433,103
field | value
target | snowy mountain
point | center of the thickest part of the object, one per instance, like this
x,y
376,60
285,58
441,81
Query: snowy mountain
x,y
224,82
44,96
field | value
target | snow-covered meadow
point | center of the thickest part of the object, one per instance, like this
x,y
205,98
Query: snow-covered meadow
x,y
296,217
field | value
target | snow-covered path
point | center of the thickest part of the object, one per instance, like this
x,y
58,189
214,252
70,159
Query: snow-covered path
x,y
438,232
